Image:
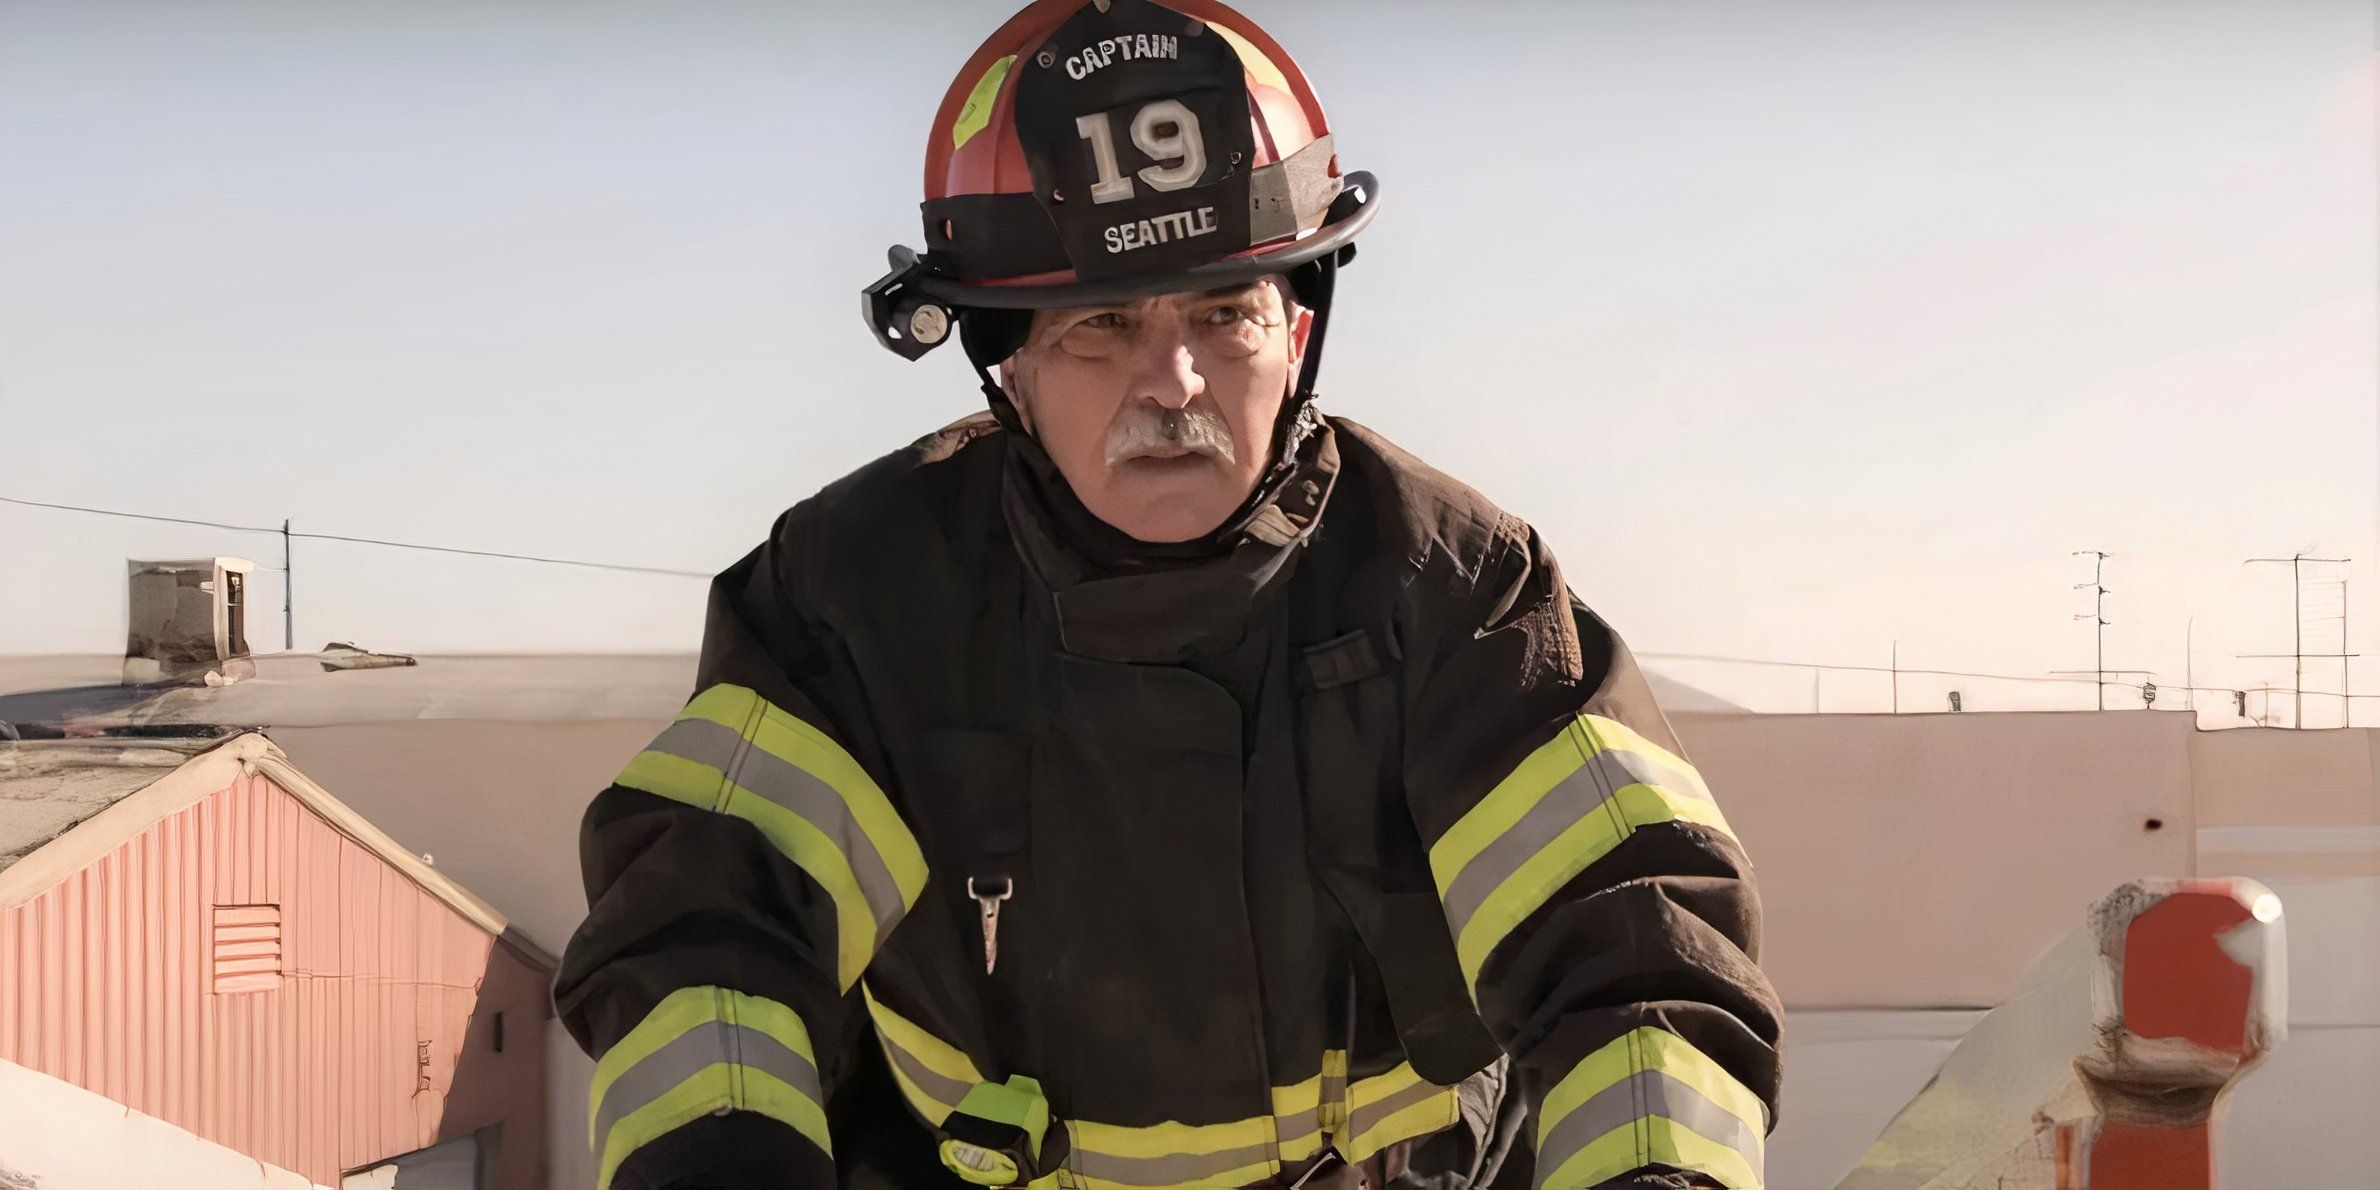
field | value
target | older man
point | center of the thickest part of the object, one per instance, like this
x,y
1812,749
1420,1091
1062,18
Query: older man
x,y
1151,782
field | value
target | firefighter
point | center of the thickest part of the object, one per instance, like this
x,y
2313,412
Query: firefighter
x,y
1150,781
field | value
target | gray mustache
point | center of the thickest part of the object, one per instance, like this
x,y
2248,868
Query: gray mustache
x,y
1148,429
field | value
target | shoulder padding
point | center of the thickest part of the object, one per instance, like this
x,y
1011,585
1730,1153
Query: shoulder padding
x,y
906,521
1439,524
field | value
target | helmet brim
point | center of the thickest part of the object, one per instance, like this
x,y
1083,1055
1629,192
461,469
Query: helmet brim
x,y
1359,200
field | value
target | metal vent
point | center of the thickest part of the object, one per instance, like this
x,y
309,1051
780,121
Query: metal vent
x,y
247,947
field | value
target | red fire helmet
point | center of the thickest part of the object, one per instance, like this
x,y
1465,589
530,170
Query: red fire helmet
x,y
1097,151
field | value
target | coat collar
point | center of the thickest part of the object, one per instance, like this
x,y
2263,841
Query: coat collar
x,y
1117,599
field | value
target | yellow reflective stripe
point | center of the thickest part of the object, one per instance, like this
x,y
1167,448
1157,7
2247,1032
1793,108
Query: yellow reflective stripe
x,y
1439,1111
1170,1138
1588,839
1651,1140
1250,1174
806,795
703,1050
1662,1050
803,746
1370,1092
1566,805
1649,1096
974,117
716,1088
1503,806
762,1092
678,1012
791,834
1334,1091
935,1076
1233,1153
1606,735
1203,1171
920,1061
1396,1106
785,736
1297,1119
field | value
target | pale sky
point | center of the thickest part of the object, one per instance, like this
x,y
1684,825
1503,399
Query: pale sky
x,y
1799,329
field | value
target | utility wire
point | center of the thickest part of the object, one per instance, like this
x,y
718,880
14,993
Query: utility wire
x,y
1879,669
400,545
675,573
139,516
1960,673
448,549
2052,679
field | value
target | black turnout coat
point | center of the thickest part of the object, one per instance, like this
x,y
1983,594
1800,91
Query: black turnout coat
x,y
994,850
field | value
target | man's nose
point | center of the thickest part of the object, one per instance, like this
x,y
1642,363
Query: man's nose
x,y
1169,376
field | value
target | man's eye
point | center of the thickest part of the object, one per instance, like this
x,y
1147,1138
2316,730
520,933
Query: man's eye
x,y
1109,321
1226,315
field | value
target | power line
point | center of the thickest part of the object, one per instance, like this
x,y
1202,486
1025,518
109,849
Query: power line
x,y
2107,677
284,531
1876,669
2052,676
448,549
137,516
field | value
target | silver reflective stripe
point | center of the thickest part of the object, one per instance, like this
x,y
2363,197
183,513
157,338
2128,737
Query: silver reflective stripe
x,y
941,1089
1284,195
1298,1126
1583,792
1171,1170
1631,767
1361,1119
692,1052
1645,1093
704,741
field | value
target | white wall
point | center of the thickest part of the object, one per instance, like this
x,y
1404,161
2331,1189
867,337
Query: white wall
x,y
86,1141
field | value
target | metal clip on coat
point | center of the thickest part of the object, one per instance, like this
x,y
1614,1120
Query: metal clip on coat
x,y
990,901
995,1136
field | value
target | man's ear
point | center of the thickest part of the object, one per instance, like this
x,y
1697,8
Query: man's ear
x,y
1301,324
1008,385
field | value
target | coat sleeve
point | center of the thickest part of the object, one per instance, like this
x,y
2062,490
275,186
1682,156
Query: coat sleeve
x,y
1602,912
740,874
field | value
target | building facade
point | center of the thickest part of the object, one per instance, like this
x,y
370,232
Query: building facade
x,y
223,946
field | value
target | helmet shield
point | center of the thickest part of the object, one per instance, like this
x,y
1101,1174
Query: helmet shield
x,y
1135,126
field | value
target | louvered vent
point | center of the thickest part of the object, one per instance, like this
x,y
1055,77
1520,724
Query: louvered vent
x,y
247,950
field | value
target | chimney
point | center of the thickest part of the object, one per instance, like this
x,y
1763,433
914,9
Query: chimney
x,y
189,622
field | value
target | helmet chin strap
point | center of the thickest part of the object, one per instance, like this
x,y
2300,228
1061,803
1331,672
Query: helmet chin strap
x,y
992,336
1314,284
989,337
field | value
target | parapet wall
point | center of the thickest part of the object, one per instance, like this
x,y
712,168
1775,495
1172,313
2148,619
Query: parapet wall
x,y
1925,860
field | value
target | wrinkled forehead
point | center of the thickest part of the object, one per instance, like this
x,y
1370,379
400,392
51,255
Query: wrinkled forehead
x,y
1264,294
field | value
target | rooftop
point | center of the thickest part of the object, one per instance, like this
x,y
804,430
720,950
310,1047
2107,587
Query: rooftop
x,y
48,787
64,803
293,690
